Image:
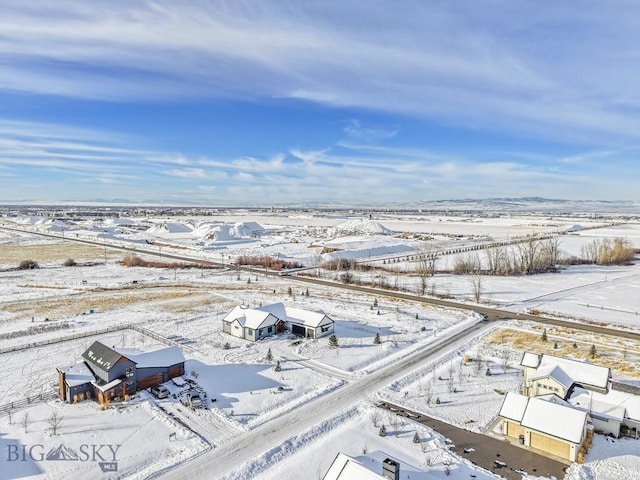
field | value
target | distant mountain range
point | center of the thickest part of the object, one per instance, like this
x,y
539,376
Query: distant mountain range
x,y
493,205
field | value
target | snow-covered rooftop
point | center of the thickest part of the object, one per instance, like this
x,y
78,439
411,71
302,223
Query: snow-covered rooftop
x,y
164,357
615,404
513,406
307,317
556,420
555,372
251,317
108,386
369,467
578,372
77,374
530,359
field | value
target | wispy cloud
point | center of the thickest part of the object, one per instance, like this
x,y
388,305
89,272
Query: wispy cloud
x,y
562,70
356,131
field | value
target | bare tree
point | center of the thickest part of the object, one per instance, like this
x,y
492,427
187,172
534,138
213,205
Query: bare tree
x,y
375,417
551,252
504,359
54,422
478,364
25,422
529,251
426,265
476,285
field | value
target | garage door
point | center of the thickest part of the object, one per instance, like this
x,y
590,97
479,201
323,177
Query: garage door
x,y
298,330
514,430
551,445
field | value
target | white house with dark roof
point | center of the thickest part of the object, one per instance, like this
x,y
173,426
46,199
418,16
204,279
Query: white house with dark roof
x,y
544,374
108,373
264,321
550,426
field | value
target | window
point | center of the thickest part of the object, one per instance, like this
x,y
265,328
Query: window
x,y
269,329
249,331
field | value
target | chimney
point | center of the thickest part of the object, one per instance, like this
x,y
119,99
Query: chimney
x,y
390,469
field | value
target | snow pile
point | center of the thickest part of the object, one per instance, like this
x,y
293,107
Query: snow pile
x,y
246,229
228,232
573,228
359,226
30,220
170,227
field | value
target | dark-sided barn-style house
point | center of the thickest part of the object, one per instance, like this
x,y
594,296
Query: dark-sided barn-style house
x,y
108,373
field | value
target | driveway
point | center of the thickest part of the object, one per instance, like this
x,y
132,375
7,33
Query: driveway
x,y
485,451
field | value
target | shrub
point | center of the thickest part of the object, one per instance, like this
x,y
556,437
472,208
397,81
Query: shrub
x,y
132,261
28,265
333,341
376,339
70,262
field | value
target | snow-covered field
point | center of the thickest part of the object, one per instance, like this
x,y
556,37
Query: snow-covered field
x,y
186,306
141,439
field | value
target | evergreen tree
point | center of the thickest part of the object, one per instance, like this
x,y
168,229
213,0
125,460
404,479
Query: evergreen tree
x,y
544,335
269,355
333,341
376,339
277,368
383,431
593,351
416,438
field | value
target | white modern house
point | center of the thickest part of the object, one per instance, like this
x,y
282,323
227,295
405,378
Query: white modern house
x,y
256,323
545,374
586,387
549,425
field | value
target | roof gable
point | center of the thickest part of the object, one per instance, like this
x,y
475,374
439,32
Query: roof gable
x,y
554,372
101,356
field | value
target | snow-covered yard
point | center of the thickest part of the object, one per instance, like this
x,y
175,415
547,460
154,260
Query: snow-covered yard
x,y
139,438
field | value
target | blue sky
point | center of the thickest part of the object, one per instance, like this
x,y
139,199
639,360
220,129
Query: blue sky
x,y
289,102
